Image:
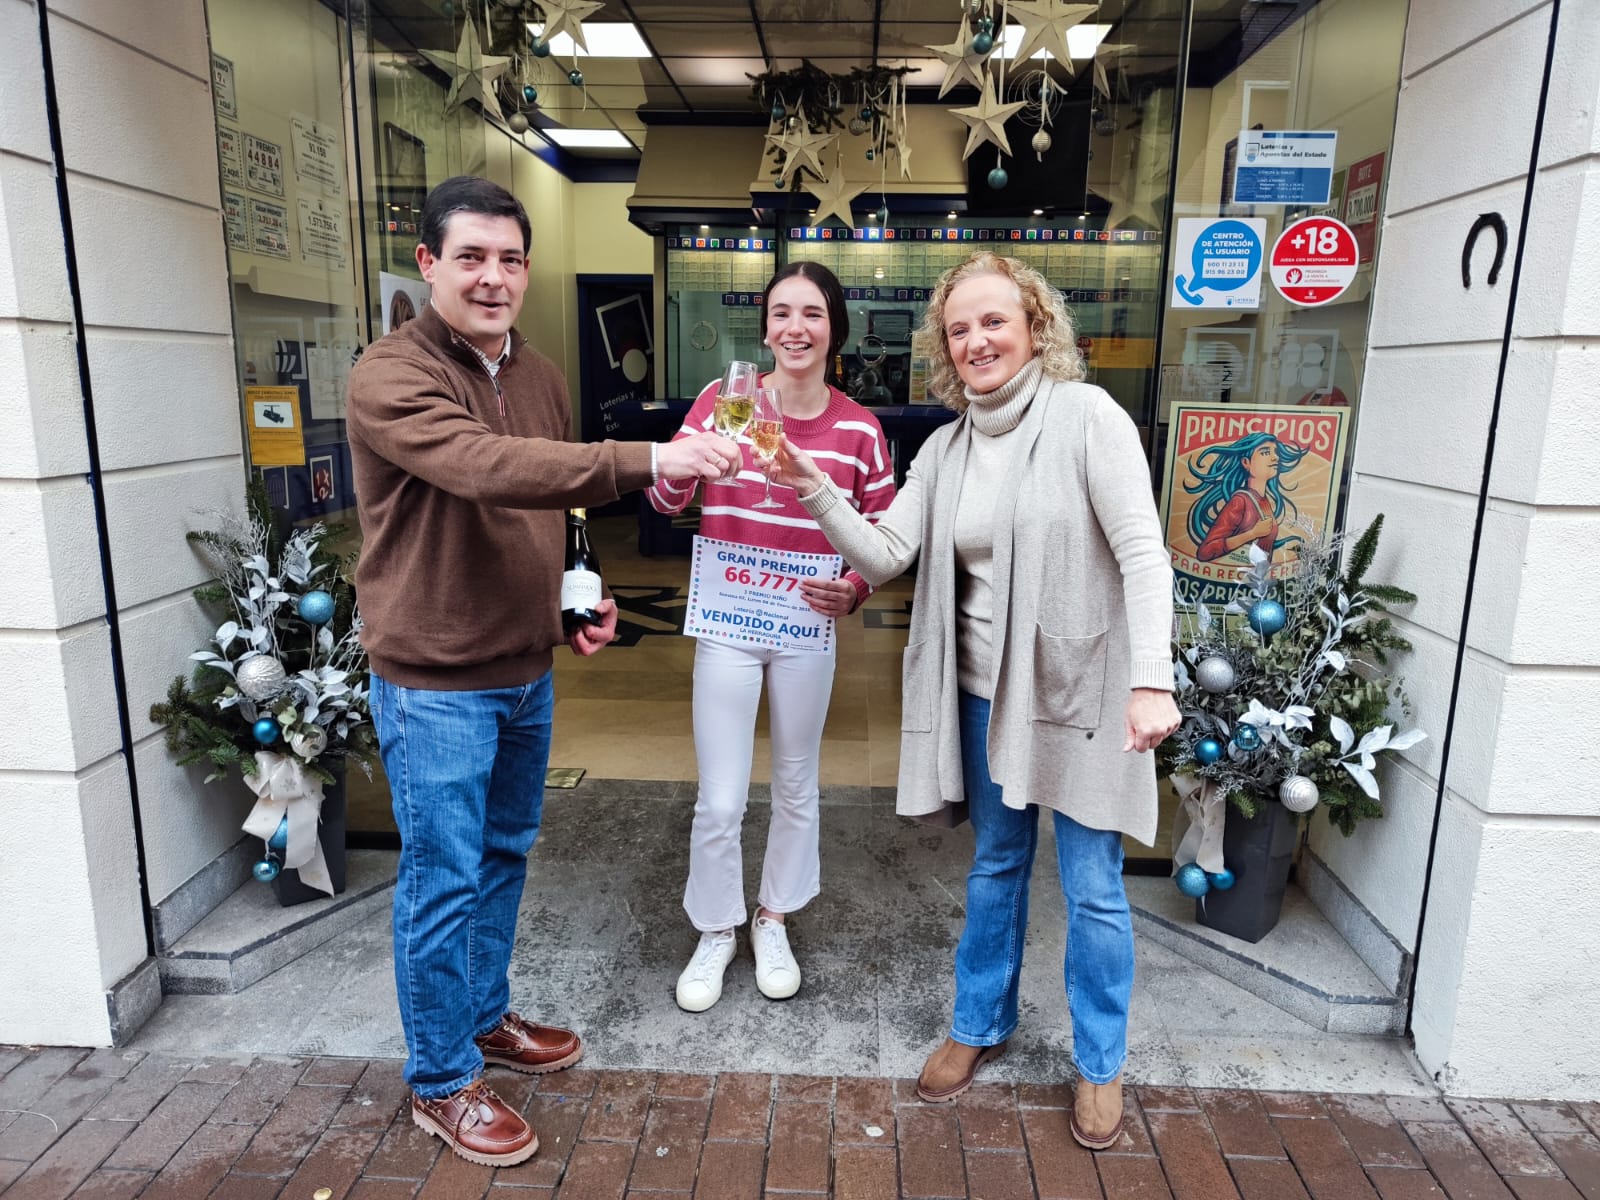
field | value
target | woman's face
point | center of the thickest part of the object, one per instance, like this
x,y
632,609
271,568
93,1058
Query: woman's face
x,y
797,326
986,331
1263,464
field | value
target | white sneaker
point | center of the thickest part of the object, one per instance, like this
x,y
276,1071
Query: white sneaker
x,y
700,985
777,974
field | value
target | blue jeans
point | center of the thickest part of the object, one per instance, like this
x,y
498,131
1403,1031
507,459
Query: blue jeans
x,y
1099,959
466,772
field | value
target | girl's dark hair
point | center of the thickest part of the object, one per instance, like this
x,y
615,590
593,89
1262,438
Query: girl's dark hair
x,y
832,297
469,193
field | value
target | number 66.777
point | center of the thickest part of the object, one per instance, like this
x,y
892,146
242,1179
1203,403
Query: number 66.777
x,y
766,579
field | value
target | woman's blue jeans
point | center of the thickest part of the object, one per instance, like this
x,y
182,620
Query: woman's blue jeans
x,y
466,773
1099,959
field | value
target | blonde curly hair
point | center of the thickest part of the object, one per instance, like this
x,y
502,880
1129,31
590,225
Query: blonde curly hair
x,y
1050,324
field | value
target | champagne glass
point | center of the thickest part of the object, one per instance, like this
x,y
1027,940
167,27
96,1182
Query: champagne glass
x,y
736,402
766,431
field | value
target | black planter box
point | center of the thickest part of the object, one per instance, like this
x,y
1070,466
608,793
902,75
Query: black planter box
x,y
1259,850
287,887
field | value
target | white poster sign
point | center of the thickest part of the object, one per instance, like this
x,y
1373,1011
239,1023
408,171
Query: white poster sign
x,y
1217,263
751,596
1285,166
263,165
230,154
321,227
317,161
269,229
223,93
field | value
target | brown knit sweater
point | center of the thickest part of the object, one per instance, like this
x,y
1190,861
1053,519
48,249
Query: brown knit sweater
x,y
460,483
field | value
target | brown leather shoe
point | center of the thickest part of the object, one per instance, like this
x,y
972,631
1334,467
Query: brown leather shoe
x,y
950,1069
1097,1114
477,1125
530,1048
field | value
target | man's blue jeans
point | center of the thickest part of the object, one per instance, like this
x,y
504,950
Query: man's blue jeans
x,y
1099,959
466,771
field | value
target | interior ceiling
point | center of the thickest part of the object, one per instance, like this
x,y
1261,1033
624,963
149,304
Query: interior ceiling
x,y
705,50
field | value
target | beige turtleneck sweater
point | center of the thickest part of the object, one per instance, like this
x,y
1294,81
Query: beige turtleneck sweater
x,y
993,415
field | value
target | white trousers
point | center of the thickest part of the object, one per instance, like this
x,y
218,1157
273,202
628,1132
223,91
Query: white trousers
x,y
727,691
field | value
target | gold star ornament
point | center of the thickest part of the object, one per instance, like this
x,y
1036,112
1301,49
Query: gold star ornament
x,y
986,120
1044,27
566,16
961,65
472,73
834,196
803,147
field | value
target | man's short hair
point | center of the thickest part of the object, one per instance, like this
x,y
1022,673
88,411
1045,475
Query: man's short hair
x,y
469,193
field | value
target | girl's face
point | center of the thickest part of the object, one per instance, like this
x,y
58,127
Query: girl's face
x,y
1263,464
986,331
798,331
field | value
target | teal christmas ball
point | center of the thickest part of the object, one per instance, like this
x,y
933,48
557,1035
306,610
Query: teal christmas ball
x,y
1221,880
866,114
540,49
985,24
316,607
575,77
778,112
1267,617
1247,737
871,154
530,94
982,43
1207,751
447,9
266,870
1191,880
265,731
998,178
883,214
280,835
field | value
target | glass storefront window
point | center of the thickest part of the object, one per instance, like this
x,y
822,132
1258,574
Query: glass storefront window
x,y
714,278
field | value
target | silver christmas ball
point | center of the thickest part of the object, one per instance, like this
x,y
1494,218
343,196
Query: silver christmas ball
x,y
1215,674
261,677
1298,794
517,123
1041,142
857,126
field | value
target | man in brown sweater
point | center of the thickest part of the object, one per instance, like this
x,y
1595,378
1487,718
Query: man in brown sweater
x,y
460,436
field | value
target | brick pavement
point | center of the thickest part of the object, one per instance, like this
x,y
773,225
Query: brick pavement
x,y
113,1125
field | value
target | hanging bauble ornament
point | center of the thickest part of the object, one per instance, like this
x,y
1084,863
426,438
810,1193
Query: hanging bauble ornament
x,y
1191,880
986,24
1298,793
316,606
998,178
447,9
1221,880
982,43
280,836
866,114
1041,141
857,126
517,123
1215,674
1267,617
261,677
1247,737
871,154
1207,751
883,214
266,870
540,49
778,111
265,731
530,94
575,77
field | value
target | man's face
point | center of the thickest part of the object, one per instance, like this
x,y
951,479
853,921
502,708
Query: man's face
x,y
479,277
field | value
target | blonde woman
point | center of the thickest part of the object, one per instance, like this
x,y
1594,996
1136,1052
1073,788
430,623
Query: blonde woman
x,y
1037,673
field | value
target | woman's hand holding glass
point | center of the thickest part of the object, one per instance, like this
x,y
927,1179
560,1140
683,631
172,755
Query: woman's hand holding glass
x,y
766,431
792,467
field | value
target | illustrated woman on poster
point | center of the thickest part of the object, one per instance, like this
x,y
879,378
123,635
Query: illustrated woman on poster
x,y
1241,498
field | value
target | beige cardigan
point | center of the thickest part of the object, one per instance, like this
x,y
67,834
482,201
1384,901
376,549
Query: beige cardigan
x,y
1083,611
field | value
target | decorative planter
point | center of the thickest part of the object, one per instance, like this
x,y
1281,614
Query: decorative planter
x,y
1259,851
287,887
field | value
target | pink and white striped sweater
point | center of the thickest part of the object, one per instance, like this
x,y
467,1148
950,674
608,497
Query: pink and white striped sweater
x,y
846,441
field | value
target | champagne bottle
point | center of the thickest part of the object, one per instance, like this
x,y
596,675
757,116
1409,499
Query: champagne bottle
x,y
580,582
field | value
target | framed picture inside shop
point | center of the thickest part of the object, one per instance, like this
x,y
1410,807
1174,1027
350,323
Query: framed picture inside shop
x,y
402,187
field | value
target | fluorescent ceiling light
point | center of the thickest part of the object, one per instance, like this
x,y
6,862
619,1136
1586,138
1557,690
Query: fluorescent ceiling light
x,y
612,39
588,139
1082,40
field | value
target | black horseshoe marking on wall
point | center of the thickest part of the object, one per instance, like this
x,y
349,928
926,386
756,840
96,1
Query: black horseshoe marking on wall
x,y
1492,221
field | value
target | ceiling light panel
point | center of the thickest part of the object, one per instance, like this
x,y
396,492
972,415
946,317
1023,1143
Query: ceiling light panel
x,y
588,139
615,39
1082,40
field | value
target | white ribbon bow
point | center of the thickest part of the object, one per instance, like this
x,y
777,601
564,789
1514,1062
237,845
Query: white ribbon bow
x,y
283,789
1197,825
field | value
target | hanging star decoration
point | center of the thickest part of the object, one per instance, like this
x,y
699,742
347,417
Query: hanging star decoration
x,y
834,196
1044,27
472,73
902,142
566,16
1102,81
961,64
803,147
986,120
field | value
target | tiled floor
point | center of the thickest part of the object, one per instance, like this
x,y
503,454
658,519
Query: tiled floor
x,y
114,1125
